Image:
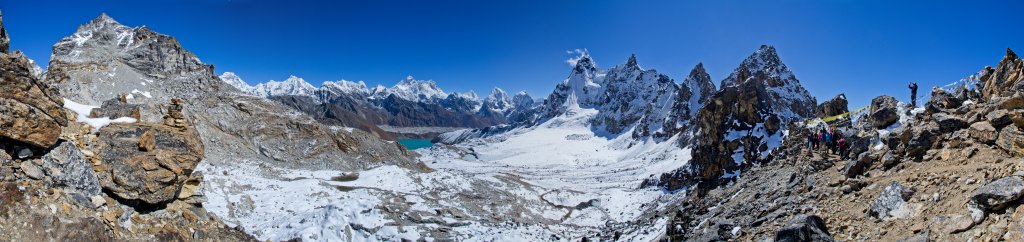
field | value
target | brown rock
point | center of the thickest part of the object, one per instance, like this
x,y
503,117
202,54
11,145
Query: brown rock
x,y
1005,78
30,110
1011,139
983,132
147,142
148,162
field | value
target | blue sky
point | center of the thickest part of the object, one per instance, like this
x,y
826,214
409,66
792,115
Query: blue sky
x,y
862,48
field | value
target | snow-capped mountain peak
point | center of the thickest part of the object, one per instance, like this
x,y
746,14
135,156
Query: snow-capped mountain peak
x,y
414,90
232,79
346,87
765,61
292,86
123,35
498,100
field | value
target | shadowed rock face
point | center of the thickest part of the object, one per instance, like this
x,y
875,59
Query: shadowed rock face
x,y
5,41
835,106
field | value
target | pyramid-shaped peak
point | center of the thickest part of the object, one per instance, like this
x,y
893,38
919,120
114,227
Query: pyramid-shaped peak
x,y
698,70
1010,54
585,62
103,19
632,60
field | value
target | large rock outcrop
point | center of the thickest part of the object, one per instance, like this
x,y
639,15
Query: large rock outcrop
x,y
882,112
1006,78
30,110
741,123
835,106
5,41
149,162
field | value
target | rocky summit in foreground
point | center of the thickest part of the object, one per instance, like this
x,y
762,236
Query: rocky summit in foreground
x,y
66,175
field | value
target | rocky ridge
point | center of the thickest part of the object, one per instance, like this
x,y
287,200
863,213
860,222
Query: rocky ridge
x,y
938,172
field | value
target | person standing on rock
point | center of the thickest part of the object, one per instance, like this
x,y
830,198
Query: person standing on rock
x,y
913,94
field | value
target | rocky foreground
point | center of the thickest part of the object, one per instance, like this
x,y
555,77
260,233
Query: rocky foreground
x,y
948,171
81,174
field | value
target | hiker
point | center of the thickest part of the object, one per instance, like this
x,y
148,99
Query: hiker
x,y
810,141
842,148
828,141
913,94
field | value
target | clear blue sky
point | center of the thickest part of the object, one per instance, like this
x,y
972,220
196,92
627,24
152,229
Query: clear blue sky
x,y
862,48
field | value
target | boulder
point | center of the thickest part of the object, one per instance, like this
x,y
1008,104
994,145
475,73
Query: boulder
x,y
889,160
857,166
1013,102
804,228
891,203
998,194
67,167
30,110
948,123
117,108
1005,78
983,132
1011,139
919,139
999,118
882,111
148,162
835,106
943,100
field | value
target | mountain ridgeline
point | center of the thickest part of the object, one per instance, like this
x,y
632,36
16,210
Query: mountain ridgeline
x,y
402,109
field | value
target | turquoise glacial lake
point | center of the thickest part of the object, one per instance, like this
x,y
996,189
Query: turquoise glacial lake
x,y
413,144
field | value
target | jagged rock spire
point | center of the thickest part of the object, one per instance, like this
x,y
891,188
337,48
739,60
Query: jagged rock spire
x,y
5,41
632,60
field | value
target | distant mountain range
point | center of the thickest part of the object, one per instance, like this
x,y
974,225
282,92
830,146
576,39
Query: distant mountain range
x,y
402,108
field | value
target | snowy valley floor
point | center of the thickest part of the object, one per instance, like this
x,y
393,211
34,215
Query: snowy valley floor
x,y
554,181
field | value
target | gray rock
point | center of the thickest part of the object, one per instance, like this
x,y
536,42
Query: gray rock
x,y
882,111
857,166
1011,139
65,166
31,170
893,198
921,237
999,118
889,160
948,123
23,152
804,228
995,195
919,139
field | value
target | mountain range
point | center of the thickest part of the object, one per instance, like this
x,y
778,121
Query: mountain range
x,y
129,136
